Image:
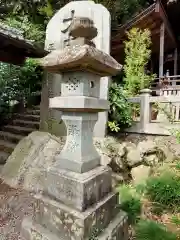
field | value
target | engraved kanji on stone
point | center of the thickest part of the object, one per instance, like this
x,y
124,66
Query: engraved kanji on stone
x,y
66,41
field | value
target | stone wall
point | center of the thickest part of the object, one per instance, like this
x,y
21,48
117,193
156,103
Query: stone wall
x,y
133,157
130,157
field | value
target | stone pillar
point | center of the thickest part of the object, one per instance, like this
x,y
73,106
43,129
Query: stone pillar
x,y
145,111
57,38
77,201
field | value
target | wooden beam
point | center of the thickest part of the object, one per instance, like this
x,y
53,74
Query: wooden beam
x,y
160,10
161,52
12,57
175,61
134,21
175,64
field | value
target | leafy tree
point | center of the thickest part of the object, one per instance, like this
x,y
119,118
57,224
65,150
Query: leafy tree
x,y
39,11
17,83
137,56
31,31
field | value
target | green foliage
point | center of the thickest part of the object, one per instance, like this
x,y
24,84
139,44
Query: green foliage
x,y
31,31
137,51
113,126
150,230
40,11
130,202
164,190
178,165
176,220
120,115
17,83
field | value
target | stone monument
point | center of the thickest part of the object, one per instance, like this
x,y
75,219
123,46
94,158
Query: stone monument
x,y
57,34
77,202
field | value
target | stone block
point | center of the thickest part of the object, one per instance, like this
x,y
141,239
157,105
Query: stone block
x,y
32,231
76,190
80,103
116,230
70,224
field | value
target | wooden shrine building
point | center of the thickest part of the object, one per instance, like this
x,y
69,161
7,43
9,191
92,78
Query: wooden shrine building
x,y
14,48
162,19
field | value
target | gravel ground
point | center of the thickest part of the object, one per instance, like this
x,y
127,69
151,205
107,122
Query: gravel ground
x,y
14,206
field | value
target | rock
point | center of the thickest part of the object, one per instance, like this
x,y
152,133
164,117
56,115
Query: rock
x,y
117,179
140,174
134,157
122,150
105,160
151,152
151,160
146,147
34,154
119,162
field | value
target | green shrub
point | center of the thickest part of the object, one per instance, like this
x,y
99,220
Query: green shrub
x,y
164,190
130,203
150,230
120,115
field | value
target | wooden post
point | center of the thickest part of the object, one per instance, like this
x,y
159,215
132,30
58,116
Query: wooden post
x,y
145,111
175,65
161,50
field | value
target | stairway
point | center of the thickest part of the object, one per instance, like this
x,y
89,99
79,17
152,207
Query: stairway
x,y
21,125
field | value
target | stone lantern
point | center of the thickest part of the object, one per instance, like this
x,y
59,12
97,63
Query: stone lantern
x,y
78,201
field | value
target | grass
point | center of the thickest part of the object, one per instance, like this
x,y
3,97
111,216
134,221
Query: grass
x,y
130,202
164,190
150,230
154,207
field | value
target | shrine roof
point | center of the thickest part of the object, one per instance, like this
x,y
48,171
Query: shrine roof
x,y
151,18
14,48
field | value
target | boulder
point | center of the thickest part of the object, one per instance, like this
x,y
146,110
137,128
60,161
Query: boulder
x,y
140,174
151,160
147,147
134,157
34,154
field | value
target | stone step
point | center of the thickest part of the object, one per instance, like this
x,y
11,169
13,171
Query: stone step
x,y
28,117
3,157
18,130
24,123
6,146
33,111
7,136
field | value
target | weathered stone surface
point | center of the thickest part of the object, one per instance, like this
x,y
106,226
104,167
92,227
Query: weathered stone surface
x,y
117,179
117,229
140,174
33,231
151,160
146,146
79,191
79,154
134,157
32,155
79,56
68,223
